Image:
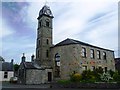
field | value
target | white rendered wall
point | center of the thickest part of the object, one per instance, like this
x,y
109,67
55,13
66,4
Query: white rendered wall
x,y
10,74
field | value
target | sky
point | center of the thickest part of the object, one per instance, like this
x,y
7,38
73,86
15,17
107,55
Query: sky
x,y
91,21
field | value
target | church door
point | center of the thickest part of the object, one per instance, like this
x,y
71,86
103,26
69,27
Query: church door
x,y
49,76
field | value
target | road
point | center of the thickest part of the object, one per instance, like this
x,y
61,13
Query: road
x,y
9,86
52,89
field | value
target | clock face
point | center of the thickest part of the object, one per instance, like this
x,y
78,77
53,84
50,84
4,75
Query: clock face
x,y
48,12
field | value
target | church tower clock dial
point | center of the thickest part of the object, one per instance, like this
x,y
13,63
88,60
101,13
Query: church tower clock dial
x,y
44,36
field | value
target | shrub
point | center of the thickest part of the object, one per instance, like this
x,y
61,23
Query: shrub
x,y
86,75
76,77
116,77
111,73
64,81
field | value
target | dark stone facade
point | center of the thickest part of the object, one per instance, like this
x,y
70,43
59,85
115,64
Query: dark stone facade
x,y
117,64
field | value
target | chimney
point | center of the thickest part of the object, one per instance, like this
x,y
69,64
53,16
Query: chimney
x,y
12,61
32,58
23,57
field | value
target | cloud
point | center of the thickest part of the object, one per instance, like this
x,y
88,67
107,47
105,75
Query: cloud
x,y
5,31
94,22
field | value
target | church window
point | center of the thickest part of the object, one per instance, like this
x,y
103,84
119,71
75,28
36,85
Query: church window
x,y
92,53
98,54
47,53
104,55
47,41
5,74
47,23
57,57
83,52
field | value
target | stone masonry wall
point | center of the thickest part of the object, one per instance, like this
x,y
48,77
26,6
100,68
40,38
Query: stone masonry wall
x,y
36,76
71,59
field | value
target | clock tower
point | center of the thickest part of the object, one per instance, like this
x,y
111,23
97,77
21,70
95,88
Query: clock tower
x,y
44,36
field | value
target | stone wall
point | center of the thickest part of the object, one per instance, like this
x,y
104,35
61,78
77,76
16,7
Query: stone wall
x,y
71,59
87,85
36,76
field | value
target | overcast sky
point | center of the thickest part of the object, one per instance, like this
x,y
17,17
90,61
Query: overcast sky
x,y
91,21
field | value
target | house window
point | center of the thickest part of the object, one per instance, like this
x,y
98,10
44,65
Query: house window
x,y
92,53
47,41
47,53
104,55
83,52
98,54
47,23
5,74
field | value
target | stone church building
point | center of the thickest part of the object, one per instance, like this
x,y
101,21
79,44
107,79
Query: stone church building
x,y
54,62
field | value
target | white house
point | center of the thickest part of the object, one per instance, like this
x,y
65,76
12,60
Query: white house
x,y
6,70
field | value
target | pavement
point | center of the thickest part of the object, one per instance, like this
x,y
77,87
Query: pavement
x,y
10,86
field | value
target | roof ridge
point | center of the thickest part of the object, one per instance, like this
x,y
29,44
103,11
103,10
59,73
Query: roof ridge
x,y
69,41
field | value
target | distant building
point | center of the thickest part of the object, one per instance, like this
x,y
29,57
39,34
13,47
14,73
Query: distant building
x,y
117,64
58,61
6,70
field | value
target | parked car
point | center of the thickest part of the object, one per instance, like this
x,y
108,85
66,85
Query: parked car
x,y
13,80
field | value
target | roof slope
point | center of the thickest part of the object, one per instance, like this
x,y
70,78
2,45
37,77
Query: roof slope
x,y
6,66
72,41
29,65
34,65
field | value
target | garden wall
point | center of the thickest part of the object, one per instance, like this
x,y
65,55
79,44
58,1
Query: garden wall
x,y
87,85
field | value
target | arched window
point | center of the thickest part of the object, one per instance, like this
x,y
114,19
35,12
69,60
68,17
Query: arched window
x,y
83,52
47,41
57,65
57,57
47,23
98,54
104,55
92,53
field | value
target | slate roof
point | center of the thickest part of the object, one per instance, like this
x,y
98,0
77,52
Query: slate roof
x,y
72,41
29,65
7,66
33,65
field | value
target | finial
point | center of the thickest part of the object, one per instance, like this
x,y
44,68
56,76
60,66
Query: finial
x,y
23,54
46,2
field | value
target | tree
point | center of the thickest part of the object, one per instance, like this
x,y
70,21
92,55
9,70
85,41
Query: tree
x,y
16,67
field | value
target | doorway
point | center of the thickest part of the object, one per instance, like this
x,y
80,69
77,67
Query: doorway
x,y
49,76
